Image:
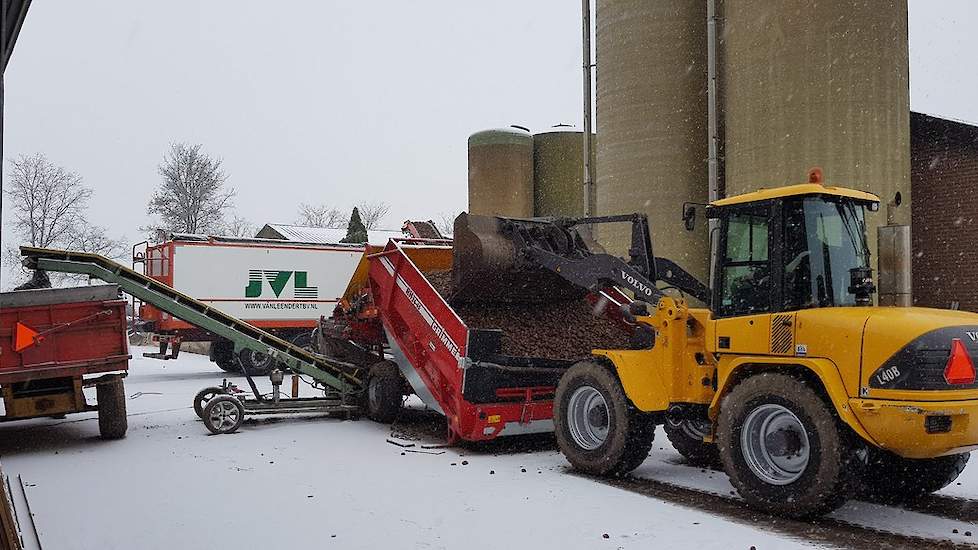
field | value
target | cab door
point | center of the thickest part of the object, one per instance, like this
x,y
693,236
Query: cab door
x,y
745,286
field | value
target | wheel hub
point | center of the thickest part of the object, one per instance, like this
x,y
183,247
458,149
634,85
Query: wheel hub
x,y
588,418
775,444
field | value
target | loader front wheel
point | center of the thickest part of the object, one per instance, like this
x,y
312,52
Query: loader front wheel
x,y
784,450
384,394
598,429
112,420
890,479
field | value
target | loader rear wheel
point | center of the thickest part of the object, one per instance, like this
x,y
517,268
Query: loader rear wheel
x,y
889,478
112,420
598,429
686,436
384,394
782,447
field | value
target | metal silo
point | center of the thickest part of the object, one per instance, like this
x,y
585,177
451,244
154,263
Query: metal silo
x,y
652,122
558,165
817,83
501,172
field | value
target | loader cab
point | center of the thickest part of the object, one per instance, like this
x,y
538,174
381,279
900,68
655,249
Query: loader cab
x,y
791,248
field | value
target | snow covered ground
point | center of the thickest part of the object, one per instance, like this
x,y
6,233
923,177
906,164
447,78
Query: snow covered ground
x,y
340,484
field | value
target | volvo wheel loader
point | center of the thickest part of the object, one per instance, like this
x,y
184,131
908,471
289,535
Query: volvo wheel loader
x,y
788,376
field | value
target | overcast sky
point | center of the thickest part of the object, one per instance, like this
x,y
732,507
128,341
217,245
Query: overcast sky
x,y
329,101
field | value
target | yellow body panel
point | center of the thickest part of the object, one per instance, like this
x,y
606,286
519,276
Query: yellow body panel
x,y
793,190
688,361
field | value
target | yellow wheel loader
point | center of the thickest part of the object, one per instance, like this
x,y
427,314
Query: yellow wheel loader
x,y
789,377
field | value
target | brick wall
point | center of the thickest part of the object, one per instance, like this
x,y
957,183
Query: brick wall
x,y
944,180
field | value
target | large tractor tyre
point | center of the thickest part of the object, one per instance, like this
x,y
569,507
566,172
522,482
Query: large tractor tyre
x,y
112,420
783,448
890,479
256,363
598,429
384,395
687,435
222,353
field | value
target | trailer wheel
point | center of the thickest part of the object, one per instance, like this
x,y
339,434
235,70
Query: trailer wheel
x,y
783,448
112,420
223,414
598,429
890,479
222,354
256,363
686,436
204,396
384,394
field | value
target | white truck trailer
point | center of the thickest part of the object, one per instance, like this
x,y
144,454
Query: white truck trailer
x,y
280,286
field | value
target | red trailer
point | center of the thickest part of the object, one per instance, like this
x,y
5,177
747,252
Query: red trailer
x,y
393,310
54,343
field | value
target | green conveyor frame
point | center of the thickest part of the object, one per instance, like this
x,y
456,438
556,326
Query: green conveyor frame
x,y
331,373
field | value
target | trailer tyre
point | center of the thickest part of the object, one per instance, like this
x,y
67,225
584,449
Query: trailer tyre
x,y
686,437
256,363
222,353
891,479
384,394
204,396
783,448
223,414
112,420
598,429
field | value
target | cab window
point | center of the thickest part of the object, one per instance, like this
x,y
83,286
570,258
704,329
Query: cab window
x,y
745,271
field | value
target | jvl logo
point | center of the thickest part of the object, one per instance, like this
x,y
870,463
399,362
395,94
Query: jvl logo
x,y
277,280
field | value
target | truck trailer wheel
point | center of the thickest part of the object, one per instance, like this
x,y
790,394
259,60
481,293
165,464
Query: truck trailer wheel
x,y
256,363
598,429
889,478
384,395
222,354
112,420
782,447
686,436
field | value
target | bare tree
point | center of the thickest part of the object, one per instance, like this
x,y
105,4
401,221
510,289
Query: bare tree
x,y
319,215
446,223
373,212
48,203
238,227
192,197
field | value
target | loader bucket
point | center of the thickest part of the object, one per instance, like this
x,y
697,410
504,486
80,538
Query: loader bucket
x,y
488,265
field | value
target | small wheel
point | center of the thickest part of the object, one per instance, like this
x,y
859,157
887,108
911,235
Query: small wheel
x,y
205,395
256,363
384,395
889,478
783,448
223,414
598,429
112,420
686,437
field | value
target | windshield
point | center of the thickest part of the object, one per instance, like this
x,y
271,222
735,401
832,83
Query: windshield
x,y
824,239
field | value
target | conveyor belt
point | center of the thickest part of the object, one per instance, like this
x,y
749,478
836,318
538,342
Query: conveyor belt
x,y
332,373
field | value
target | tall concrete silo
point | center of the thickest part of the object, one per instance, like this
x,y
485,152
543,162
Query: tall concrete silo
x,y
558,165
501,172
817,83
652,122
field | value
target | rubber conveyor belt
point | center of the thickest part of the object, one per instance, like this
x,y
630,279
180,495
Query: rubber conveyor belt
x,y
334,374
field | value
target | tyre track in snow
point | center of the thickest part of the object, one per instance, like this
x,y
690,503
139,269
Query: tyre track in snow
x,y
823,530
